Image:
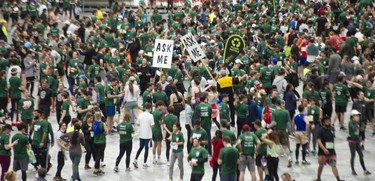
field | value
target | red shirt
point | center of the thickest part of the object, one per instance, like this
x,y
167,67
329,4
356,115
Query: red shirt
x,y
219,144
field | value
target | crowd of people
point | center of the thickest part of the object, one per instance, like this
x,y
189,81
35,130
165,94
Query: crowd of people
x,y
81,72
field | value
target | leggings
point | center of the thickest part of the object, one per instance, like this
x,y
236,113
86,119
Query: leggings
x,y
60,163
353,148
215,168
188,144
99,154
168,146
272,165
143,143
125,147
5,163
304,148
30,84
240,123
89,146
180,157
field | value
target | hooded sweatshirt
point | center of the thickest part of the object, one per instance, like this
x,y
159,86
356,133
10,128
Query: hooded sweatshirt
x,y
281,84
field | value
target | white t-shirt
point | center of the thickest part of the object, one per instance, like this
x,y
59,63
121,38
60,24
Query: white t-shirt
x,y
146,120
129,96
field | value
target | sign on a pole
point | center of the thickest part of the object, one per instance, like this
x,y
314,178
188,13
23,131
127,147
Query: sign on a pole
x,y
163,52
195,51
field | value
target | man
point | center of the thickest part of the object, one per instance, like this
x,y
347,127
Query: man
x,y
281,117
205,114
199,133
225,85
248,144
100,91
45,99
20,158
157,135
197,157
224,127
341,95
146,123
301,122
40,133
112,94
314,115
228,159
224,108
84,105
326,152
262,149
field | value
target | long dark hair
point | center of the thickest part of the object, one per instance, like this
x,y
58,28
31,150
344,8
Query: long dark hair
x,y
218,136
75,135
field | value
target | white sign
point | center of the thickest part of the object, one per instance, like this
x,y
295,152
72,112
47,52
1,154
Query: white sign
x,y
195,51
163,52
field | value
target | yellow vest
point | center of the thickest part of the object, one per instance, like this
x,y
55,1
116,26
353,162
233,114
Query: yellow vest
x,y
225,82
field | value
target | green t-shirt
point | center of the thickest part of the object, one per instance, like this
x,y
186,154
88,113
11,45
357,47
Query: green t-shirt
x,y
15,84
94,71
313,114
99,89
73,64
84,104
242,110
341,91
266,77
125,130
39,128
160,96
112,91
224,111
229,156
100,138
200,134
3,88
19,150
169,120
4,140
263,146
230,134
155,18
248,143
65,107
146,97
156,130
354,128
199,154
206,111
26,108
179,137
281,117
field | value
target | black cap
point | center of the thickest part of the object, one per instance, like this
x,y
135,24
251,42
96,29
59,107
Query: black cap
x,y
8,126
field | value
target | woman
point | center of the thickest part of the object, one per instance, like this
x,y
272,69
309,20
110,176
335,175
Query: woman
x,y
62,147
59,101
3,93
76,141
196,91
5,149
217,144
354,140
168,122
100,133
65,115
177,144
212,97
177,101
125,129
132,93
188,118
290,103
73,68
272,141
89,136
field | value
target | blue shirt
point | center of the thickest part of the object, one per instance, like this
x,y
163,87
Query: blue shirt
x,y
300,122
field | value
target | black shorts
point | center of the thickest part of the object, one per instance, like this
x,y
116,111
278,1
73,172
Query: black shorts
x,y
158,137
45,109
258,160
340,109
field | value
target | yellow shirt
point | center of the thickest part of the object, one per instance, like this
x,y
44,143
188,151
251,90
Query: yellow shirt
x,y
99,15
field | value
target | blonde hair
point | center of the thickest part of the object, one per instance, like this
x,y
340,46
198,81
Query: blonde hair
x,y
10,175
98,116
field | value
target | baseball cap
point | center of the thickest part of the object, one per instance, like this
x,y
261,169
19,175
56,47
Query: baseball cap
x,y
245,128
82,76
169,78
355,112
238,61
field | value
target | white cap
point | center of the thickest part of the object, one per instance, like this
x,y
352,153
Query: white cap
x,y
355,112
238,61
355,58
132,78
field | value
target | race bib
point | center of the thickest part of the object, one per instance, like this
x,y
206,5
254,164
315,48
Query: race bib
x,y
175,147
310,118
330,145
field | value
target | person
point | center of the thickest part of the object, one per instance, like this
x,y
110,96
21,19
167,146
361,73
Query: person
x,y
341,95
62,147
354,140
286,177
15,87
3,93
20,151
40,133
176,100
132,93
76,140
248,144
26,108
112,93
157,135
188,122
314,115
88,133
125,129
168,122
205,115
217,144
146,124
301,122
197,157
65,107
273,143
100,139
10,176
224,112
228,160
242,110
45,99
326,151
360,105
5,149
262,150
177,142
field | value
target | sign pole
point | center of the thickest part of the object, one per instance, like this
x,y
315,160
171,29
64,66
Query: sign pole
x,y
209,73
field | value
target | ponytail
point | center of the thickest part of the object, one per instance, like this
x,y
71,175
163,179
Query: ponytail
x,y
75,135
131,87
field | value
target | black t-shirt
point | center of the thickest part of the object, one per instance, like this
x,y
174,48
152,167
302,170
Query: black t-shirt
x,y
328,140
321,23
45,97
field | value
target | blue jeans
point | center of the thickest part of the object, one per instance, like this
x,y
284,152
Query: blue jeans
x,y
228,177
143,143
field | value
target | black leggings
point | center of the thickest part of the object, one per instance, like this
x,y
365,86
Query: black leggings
x,y
143,143
168,146
188,144
60,163
272,165
99,154
215,168
240,123
353,148
304,147
89,146
125,147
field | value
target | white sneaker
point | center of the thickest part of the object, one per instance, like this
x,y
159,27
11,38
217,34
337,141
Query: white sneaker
x,y
154,161
145,165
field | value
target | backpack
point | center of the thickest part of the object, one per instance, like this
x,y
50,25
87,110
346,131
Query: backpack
x,y
96,127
